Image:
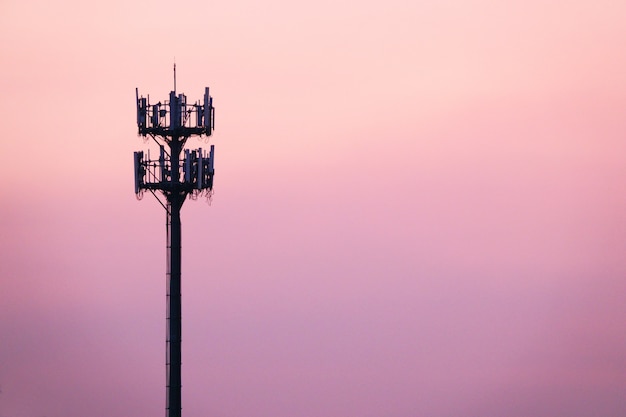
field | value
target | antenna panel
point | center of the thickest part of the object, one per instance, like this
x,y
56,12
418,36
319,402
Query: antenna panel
x,y
141,112
162,162
155,115
199,113
182,101
200,170
138,171
140,109
144,111
212,118
187,166
212,160
207,109
174,111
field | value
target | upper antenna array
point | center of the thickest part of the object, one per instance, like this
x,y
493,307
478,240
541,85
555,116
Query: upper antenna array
x,y
175,117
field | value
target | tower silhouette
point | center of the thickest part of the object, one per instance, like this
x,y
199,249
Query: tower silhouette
x,y
171,177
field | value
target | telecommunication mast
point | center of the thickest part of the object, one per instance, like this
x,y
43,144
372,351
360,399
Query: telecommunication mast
x,y
171,176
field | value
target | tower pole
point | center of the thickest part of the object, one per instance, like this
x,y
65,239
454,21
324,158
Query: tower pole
x,y
174,338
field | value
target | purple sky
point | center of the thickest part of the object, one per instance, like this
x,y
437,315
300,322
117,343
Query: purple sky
x,y
418,210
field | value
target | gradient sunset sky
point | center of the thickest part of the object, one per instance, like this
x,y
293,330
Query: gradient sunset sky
x,y
419,209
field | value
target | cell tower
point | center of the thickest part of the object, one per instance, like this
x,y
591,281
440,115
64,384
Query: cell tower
x,y
170,124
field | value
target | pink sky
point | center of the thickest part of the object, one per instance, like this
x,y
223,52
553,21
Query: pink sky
x,y
418,210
